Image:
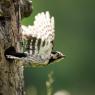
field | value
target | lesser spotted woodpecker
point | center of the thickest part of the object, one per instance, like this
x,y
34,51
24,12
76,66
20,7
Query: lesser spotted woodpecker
x,y
37,42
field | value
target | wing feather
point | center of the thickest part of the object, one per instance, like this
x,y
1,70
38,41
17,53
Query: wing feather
x,y
43,30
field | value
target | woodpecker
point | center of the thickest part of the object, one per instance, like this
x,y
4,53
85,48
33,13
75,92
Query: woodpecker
x,y
37,42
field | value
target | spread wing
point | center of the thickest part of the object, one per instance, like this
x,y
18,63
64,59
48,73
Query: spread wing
x,y
38,38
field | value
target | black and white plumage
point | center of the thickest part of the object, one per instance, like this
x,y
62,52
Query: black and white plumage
x,y
36,45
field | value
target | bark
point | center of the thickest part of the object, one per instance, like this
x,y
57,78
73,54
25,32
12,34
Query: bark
x,y
11,71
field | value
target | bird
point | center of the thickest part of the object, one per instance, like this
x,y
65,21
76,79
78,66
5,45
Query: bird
x,y
37,42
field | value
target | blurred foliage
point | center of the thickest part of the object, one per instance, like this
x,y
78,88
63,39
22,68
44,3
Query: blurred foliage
x,y
49,83
75,36
31,91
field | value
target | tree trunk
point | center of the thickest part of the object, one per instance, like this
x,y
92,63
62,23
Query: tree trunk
x,y
11,71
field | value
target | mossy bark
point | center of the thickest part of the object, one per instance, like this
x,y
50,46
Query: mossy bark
x,y
11,72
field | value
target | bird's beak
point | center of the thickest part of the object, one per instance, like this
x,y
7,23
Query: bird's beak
x,y
63,55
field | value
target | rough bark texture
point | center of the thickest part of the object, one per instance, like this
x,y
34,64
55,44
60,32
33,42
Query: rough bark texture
x,y
11,72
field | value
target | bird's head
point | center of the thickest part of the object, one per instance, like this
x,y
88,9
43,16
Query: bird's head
x,y
56,56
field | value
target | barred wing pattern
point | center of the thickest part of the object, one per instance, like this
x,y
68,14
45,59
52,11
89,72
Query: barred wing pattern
x,y
36,43
37,40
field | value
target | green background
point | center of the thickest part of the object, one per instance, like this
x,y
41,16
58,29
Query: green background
x,y
75,37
